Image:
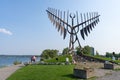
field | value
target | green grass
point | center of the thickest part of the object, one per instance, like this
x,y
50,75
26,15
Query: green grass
x,y
104,59
108,59
45,72
61,58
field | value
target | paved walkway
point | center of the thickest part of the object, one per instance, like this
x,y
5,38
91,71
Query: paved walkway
x,y
7,71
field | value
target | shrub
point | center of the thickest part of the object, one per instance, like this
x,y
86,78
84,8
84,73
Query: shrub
x,y
17,62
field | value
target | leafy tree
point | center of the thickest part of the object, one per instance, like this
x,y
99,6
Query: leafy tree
x,y
97,54
109,55
119,55
46,54
87,50
78,51
65,51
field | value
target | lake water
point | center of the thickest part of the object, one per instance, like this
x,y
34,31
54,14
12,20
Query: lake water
x,y
6,60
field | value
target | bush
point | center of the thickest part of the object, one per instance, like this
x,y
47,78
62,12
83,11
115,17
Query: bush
x,y
47,54
17,62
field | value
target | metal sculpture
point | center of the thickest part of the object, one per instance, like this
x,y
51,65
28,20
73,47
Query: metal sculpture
x,y
61,21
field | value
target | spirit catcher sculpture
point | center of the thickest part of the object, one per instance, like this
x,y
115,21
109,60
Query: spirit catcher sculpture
x,y
61,21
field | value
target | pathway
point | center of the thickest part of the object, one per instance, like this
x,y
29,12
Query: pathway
x,y
7,71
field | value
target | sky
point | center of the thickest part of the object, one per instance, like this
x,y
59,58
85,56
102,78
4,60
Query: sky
x,y
25,28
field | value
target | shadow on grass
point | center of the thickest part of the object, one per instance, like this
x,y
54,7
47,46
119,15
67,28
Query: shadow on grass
x,y
70,76
77,78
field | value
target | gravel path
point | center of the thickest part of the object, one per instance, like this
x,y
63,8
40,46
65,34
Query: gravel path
x,y
113,76
7,71
103,72
100,73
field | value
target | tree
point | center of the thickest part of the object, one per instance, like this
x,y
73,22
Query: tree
x,y
65,51
109,55
87,50
46,54
119,55
97,54
78,50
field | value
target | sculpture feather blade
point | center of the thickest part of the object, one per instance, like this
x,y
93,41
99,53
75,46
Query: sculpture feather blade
x,y
95,22
82,34
62,30
85,31
65,33
88,28
54,20
92,24
50,17
98,20
59,27
57,24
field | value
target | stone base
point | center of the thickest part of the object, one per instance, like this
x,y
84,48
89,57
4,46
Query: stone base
x,y
84,73
108,66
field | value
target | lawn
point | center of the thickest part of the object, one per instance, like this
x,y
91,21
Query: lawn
x,y
45,72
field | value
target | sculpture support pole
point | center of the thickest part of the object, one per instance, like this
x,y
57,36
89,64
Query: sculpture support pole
x,y
72,34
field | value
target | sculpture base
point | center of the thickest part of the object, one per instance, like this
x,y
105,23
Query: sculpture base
x,y
84,73
108,66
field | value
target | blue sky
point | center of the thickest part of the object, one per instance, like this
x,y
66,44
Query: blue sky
x,y
26,29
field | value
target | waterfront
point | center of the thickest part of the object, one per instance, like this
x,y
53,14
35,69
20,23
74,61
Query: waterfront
x,y
8,60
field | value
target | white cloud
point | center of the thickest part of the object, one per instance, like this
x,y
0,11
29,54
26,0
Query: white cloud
x,y
3,30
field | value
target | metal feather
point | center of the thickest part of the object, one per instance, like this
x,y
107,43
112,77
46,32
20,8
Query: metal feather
x,y
65,33
85,31
64,18
57,20
88,28
92,24
82,34
62,30
59,26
